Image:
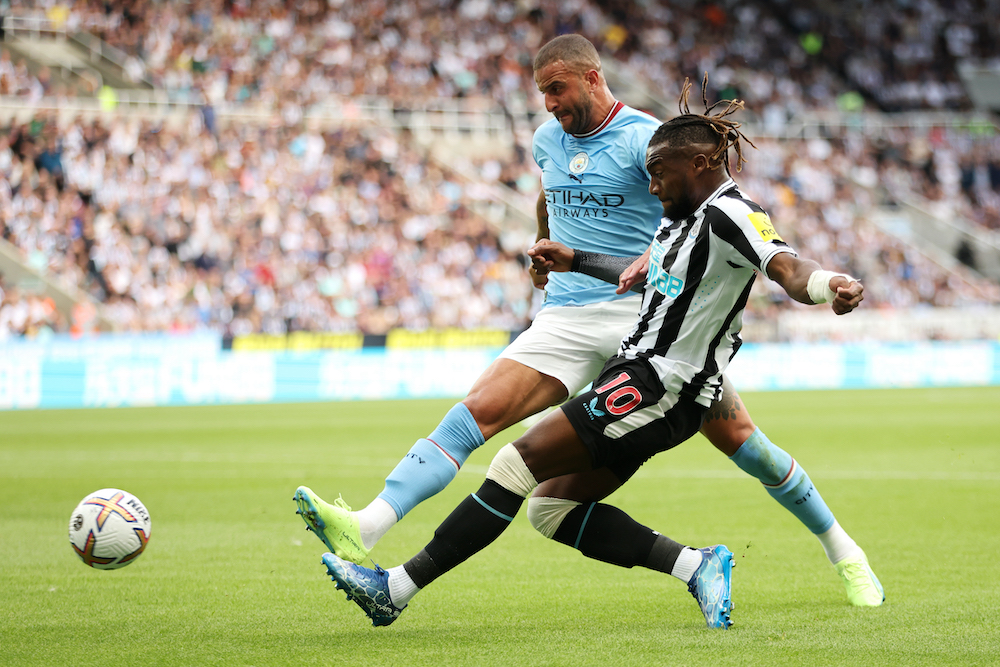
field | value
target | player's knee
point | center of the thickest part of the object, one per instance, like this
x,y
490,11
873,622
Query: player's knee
x,y
488,410
547,514
727,435
509,471
733,438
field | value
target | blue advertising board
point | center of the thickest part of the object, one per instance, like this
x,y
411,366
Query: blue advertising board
x,y
109,371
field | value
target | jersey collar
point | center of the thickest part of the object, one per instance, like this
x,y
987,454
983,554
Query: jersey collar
x,y
611,114
730,183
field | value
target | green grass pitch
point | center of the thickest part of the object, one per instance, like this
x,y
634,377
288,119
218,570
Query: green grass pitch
x,y
232,578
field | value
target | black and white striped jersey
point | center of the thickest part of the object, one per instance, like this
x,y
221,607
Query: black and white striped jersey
x,y
700,273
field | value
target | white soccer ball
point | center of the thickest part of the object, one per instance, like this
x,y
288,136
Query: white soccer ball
x,y
109,529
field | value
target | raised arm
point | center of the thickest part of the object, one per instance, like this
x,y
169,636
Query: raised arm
x,y
805,281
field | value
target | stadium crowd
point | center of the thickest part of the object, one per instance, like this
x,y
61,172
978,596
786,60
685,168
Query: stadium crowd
x,y
27,314
258,229
782,59
790,55
286,227
821,194
904,55
271,229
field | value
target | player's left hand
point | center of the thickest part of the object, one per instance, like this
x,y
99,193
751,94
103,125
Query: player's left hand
x,y
849,293
539,278
635,273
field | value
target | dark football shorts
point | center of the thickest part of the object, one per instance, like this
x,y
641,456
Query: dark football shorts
x,y
627,416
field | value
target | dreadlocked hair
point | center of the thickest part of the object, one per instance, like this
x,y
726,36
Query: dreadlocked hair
x,y
691,128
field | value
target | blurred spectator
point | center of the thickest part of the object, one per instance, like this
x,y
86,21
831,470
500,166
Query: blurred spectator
x,y
28,315
16,80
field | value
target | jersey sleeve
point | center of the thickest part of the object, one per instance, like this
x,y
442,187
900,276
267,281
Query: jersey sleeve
x,y
639,145
537,152
748,229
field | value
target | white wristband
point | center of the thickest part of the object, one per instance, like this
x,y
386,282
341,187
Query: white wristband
x,y
818,287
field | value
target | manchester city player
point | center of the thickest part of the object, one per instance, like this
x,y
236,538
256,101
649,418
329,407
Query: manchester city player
x,y
595,198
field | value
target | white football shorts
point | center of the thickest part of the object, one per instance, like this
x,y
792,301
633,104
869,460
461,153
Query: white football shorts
x,y
572,343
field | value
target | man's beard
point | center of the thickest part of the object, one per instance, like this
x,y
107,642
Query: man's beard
x,y
678,210
580,117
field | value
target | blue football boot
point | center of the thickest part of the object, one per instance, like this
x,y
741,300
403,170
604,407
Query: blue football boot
x,y
368,588
711,585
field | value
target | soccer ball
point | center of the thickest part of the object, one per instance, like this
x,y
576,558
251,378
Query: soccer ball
x,y
109,529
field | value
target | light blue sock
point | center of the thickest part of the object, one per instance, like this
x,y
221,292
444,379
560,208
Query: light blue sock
x,y
785,480
432,462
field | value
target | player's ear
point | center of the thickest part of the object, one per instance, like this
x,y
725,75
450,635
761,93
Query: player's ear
x,y
700,162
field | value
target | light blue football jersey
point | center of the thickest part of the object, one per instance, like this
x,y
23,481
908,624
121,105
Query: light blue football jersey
x,y
597,196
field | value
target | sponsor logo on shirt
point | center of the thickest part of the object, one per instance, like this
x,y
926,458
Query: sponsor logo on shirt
x,y
664,283
582,204
763,225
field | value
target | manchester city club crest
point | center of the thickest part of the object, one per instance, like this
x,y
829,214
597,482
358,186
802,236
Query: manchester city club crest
x,y
579,163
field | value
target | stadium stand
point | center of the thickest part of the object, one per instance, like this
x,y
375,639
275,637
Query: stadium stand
x,y
259,230
244,213
903,55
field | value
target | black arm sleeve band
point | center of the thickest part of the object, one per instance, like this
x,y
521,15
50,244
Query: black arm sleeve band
x,y
603,267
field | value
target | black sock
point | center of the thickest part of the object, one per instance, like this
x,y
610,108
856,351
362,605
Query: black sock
x,y
664,554
608,534
471,527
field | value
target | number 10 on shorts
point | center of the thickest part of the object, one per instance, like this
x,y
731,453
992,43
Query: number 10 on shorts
x,y
622,397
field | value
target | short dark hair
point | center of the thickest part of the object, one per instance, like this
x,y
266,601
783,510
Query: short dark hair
x,y
575,51
691,128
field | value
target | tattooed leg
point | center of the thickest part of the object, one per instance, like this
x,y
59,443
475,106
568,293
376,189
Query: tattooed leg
x,y
727,423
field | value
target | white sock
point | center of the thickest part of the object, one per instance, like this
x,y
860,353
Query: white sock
x,y
401,587
837,544
375,521
689,561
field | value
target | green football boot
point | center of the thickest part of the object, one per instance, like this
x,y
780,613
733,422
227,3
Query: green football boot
x,y
335,524
863,587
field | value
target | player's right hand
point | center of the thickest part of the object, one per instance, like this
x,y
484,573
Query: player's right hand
x,y
548,256
848,294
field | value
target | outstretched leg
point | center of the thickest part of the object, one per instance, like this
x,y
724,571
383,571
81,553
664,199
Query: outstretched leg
x,y
565,347
730,429
506,393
